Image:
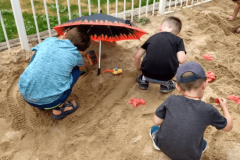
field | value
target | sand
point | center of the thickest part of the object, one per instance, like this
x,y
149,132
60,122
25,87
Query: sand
x,y
104,127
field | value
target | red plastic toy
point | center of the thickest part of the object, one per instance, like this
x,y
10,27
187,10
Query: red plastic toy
x,y
216,100
234,98
207,57
136,102
210,76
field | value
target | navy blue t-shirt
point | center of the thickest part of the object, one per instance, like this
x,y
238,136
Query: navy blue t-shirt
x,y
161,60
180,136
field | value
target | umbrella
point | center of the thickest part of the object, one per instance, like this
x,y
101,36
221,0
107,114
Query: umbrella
x,y
103,27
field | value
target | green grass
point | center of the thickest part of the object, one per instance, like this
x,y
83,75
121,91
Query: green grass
x,y
9,21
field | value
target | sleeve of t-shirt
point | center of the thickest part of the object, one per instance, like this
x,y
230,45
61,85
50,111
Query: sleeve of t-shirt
x,y
218,120
181,46
161,110
80,61
145,45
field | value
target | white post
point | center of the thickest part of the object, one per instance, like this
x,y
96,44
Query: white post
x,y
4,31
169,5
116,7
98,6
175,5
154,7
69,11
181,3
35,20
99,57
192,3
124,10
162,4
79,8
89,7
186,3
107,7
146,8
132,10
20,24
139,11
59,20
49,30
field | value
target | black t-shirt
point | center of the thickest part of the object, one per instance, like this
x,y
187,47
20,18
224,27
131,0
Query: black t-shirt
x,y
180,136
161,61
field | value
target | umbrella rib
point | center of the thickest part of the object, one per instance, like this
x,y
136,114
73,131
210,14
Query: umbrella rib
x,y
89,28
110,30
132,32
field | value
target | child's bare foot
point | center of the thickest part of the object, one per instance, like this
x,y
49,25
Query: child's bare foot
x,y
230,18
65,109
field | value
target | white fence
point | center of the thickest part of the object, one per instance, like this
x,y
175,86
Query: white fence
x,y
163,7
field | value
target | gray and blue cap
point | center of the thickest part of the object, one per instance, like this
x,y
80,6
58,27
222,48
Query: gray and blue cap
x,y
193,67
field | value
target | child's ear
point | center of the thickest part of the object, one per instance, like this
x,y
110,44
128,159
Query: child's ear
x,y
160,28
204,85
178,88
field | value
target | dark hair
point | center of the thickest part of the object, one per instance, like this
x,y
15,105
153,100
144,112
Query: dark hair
x,y
174,23
191,85
79,38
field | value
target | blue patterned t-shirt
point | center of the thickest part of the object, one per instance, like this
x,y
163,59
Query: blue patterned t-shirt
x,y
48,75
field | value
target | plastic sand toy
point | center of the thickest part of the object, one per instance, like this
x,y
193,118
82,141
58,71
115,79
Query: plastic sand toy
x,y
136,102
216,100
234,98
115,71
207,57
210,76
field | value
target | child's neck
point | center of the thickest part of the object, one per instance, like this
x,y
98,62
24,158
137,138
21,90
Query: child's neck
x,y
193,94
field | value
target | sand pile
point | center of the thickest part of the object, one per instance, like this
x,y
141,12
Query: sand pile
x,y
104,127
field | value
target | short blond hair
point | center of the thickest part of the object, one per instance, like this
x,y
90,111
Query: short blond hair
x,y
174,23
191,85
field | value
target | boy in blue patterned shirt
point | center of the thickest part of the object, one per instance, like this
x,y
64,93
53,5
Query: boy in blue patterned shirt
x,y
52,72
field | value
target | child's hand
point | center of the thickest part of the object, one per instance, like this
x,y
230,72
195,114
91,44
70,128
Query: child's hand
x,y
230,18
238,31
222,103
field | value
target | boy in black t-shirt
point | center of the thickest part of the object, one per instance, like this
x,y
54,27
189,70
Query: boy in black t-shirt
x,y
184,118
164,52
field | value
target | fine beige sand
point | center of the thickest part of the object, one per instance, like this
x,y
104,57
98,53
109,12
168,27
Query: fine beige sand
x,y
104,127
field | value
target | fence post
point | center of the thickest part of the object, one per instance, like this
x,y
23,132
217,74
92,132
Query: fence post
x,y
4,31
162,4
20,24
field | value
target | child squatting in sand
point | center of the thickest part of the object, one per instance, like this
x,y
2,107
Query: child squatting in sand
x,y
164,51
184,118
52,72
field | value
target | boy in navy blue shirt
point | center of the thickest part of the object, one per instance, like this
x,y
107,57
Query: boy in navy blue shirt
x,y
164,51
184,118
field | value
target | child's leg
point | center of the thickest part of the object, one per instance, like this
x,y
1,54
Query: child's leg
x,y
58,104
153,134
165,86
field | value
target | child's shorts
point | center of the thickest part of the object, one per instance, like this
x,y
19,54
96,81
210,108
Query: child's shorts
x,y
75,73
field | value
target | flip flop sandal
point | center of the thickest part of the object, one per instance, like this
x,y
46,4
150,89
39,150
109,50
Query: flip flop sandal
x,y
64,114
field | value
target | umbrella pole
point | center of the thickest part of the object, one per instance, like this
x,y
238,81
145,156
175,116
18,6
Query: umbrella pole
x,y
99,57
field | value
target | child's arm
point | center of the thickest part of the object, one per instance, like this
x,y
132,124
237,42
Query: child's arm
x,y
82,68
235,12
181,57
157,121
138,56
223,105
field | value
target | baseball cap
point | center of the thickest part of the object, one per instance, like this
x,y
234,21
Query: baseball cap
x,y
194,67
